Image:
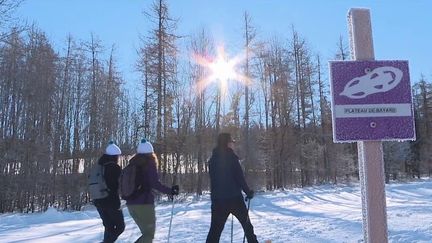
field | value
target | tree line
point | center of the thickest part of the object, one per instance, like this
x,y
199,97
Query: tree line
x,y
60,108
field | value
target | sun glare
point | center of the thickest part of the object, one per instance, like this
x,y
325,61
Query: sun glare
x,y
220,69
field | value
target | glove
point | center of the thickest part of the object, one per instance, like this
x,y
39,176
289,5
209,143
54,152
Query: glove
x,y
175,190
249,195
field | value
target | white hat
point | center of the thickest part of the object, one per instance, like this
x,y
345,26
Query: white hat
x,y
112,149
145,147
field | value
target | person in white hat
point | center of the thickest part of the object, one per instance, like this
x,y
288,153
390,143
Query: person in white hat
x,y
109,207
141,206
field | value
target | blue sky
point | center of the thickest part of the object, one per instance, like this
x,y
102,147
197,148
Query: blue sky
x,y
401,29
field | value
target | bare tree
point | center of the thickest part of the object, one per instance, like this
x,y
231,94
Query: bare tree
x,y
421,148
201,46
7,9
342,52
249,35
162,51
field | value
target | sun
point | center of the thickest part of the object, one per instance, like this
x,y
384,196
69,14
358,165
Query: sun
x,y
220,69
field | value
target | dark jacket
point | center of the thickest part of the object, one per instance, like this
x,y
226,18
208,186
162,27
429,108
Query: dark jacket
x,y
150,179
111,175
226,175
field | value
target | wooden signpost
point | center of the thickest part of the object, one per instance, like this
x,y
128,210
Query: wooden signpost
x,y
371,103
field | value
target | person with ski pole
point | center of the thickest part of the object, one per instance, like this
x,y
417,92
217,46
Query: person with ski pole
x,y
142,169
226,185
103,189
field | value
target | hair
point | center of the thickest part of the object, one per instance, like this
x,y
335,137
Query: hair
x,y
144,159
223,140
106,158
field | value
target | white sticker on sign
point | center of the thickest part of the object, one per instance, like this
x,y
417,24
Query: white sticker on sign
x,y
372,110
379,80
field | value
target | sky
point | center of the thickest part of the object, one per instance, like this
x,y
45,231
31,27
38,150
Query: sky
x,y
401,28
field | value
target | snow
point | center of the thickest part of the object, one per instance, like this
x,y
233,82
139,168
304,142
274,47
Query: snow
x,y
315,214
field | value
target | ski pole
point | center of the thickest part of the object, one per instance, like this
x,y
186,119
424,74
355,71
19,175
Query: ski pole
x,y
232,227
248,206
172,213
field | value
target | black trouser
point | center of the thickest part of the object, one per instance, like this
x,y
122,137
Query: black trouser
x,y
113,222
220,211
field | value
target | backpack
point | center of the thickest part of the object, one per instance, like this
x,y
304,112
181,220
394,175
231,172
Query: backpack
x,y
131,182
97,186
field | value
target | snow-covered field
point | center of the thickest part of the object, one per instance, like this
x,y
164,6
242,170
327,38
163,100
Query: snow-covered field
x,y
317,214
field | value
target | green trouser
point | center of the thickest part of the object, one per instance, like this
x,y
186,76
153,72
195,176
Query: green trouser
x,y
145,217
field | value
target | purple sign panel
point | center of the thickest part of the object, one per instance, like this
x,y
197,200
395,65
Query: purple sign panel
x,y
371,100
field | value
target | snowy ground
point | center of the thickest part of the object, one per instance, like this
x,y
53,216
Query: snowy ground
x,y
318,214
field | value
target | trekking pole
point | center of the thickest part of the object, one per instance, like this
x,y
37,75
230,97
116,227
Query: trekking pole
x,y
248,206
232,227
172,213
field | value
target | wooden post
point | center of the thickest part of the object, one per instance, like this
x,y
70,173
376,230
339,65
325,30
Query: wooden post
x,y
370,153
